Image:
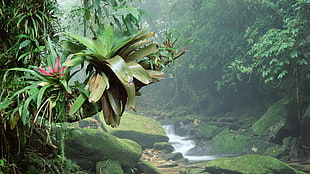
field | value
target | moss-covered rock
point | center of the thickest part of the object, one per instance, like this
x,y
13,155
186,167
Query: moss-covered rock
x,y
145,167
206,131
167,147
277,152
235,143
108,166
249,164
173,156
272,120
88,146
143,130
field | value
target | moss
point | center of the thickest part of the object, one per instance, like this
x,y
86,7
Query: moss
x,y
139,123
143,130
275,151
145,167
272,120
206,131
88,146
249,164
230,143
108,166
235,143
167,147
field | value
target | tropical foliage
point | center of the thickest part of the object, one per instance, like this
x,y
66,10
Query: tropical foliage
x,y
38,87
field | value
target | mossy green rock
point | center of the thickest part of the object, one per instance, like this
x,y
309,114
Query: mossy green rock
x,y
207,131
167,147
277,152
145,167
249,164
272,120
88,146
108,166
235,143
143,130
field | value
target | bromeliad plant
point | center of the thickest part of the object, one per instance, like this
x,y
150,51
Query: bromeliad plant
x,y
40,93
121,67
117,69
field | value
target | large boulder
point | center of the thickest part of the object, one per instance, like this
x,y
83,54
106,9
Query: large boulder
x,y
143,130
249,164
277,122
86,147
230,142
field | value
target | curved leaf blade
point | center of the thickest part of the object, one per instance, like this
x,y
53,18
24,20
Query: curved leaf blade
x,y
121,70
143,52
139,73
97,89
83,40
77,104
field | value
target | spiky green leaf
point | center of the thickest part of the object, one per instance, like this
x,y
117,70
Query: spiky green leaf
x,y
143,52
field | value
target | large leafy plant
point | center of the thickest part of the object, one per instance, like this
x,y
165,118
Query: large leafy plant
x,y
122,65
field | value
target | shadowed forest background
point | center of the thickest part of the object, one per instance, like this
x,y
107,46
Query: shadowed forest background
x,y
70,69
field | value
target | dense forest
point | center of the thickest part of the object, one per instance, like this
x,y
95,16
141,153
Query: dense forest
x,y
224,67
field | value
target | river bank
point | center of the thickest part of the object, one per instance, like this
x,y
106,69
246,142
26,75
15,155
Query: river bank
x,y
196,163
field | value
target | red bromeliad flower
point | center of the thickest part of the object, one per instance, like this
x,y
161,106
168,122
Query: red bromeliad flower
x,y
53,72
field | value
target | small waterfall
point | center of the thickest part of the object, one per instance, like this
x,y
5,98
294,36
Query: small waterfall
x,y
183,145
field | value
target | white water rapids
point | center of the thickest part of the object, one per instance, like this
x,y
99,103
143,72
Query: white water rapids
x,y
183,145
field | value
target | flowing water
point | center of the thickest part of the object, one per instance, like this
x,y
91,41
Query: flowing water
x,y
183,145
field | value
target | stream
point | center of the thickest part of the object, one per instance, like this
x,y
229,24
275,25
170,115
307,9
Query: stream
x,y
184,144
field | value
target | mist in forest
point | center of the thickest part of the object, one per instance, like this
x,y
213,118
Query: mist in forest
x,y
240,59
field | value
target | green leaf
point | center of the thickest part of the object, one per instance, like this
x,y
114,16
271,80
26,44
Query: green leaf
x,y
41,93
77,60
93,55
73,47
115,101
83,40
100,47
109,37
282,74
5,104
302,62
131,97
24,111
143,52
66,86
97,87
139,73
34,85
24,44
134,47
77,104
123,45
293,54
35,73
156,74
121,70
